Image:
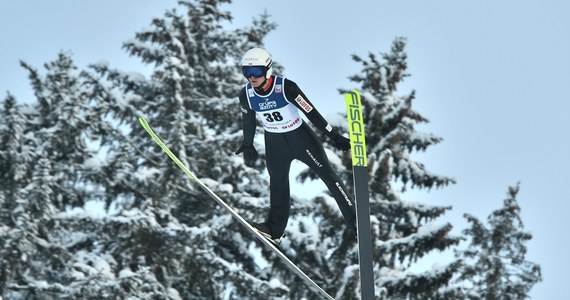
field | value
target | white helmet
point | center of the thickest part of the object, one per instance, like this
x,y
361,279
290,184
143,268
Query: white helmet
x,y
257,57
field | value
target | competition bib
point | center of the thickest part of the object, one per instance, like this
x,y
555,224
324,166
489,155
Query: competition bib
x,y
275,111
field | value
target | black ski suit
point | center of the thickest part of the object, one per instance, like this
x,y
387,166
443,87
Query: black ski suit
x,y
288,137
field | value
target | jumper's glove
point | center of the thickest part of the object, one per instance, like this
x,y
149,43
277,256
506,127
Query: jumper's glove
x,y
340,142
249,152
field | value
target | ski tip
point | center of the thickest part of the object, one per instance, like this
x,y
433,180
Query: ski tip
x,y
143,121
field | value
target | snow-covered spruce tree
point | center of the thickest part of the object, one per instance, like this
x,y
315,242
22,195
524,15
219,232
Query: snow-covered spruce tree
x,y
15,171
62,127
495,266
402,231
44,177
167,227
32,266
167,240
15,156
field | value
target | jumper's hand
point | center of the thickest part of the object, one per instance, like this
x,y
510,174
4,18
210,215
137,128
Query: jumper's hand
x,y
249,152
340,142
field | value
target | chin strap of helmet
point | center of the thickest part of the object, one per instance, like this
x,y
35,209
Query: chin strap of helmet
x,y
264,86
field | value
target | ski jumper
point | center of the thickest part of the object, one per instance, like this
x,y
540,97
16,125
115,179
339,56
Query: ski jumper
x,y
288,137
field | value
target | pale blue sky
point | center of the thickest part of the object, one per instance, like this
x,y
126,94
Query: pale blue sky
x,y
491,76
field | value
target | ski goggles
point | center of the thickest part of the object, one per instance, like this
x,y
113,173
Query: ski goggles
x,y
255,71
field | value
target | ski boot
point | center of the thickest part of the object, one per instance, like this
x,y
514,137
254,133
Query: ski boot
x,y
263,229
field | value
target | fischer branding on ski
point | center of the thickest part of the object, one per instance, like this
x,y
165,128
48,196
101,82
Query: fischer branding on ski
x,y
310,283
360,175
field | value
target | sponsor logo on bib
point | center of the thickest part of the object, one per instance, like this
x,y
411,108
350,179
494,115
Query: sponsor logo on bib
x,y
267,105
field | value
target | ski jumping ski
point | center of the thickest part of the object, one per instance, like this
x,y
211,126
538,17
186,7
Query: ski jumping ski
x,y
310,283
360,175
